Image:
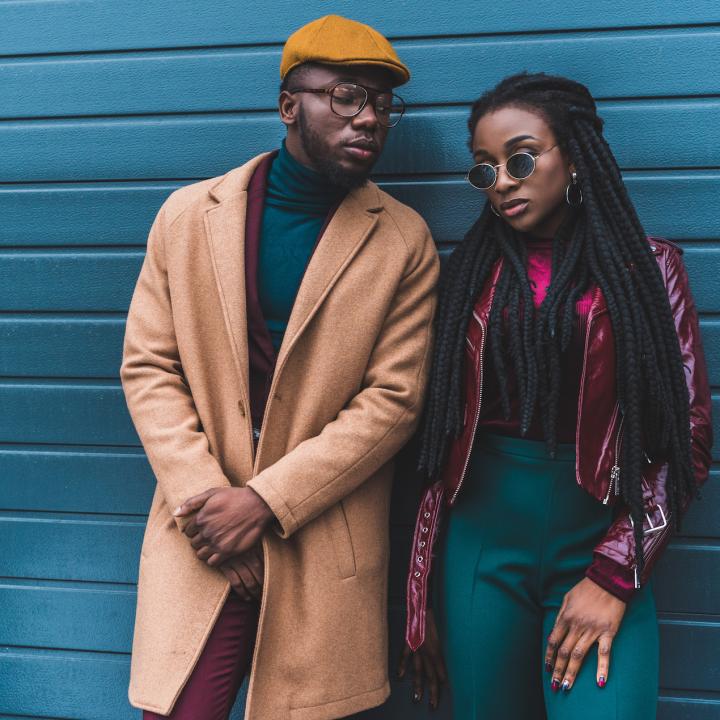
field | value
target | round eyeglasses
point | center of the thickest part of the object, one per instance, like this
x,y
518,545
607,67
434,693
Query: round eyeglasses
x,y
348,99
518,166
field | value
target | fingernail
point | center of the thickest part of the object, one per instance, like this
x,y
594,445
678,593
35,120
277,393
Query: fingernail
x,y
176,510
601,681
566,685
548,667
555,685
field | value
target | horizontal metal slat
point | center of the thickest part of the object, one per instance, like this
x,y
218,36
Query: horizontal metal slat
x,y
232,79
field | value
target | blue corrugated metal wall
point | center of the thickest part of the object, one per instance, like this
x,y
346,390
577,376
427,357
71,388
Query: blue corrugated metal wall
x,y
106,107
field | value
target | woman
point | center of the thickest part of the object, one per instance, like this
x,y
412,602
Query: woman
x,y
567,426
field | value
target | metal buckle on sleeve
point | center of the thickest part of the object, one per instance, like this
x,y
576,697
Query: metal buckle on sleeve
x,y
653,528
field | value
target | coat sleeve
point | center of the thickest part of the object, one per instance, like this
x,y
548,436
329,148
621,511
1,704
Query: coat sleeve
x,y
156,391
614,556
377,422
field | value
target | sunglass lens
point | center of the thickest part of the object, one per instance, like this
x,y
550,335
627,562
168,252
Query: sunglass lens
x,y
482,176
520,165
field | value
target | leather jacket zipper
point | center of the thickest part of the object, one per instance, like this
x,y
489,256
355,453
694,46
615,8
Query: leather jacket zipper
x,y
615,470
477,409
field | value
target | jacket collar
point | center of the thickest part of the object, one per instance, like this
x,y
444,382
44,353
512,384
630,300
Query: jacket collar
x,y
351,225
236,181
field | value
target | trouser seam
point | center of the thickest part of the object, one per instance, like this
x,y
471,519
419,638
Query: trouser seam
x,y
543,551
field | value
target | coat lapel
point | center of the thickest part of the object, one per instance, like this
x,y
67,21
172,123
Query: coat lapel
x,y
226,236
346,233
225,229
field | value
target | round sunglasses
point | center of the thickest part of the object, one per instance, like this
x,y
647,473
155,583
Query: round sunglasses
x,y
518,166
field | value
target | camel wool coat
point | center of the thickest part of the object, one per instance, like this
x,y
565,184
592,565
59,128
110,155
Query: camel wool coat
x,y
346,394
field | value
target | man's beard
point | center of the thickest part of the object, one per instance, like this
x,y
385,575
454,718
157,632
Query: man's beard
x,y
318,151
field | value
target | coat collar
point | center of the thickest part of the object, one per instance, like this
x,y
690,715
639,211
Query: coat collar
x,y
346,233
237,181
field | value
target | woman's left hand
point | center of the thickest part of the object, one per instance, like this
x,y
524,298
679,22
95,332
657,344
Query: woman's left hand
x,y
589,615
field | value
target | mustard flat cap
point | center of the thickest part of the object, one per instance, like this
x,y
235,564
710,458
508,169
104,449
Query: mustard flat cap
x,y
335,40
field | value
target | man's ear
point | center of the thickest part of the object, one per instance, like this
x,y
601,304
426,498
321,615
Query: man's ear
x,y
288,107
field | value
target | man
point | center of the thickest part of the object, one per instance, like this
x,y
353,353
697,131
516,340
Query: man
x,y
275,359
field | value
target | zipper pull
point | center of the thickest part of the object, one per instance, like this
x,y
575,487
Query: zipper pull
x,y
614,472
615,477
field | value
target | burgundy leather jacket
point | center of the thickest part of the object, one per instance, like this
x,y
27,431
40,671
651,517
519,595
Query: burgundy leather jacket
x,y
597,442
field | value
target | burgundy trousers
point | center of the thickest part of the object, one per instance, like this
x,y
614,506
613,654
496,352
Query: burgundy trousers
x,y
212,688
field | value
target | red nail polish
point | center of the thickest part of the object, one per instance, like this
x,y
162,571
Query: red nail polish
x,y
555,685
601,682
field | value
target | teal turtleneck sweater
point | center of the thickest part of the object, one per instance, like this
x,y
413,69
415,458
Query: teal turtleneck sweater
x,y
297,203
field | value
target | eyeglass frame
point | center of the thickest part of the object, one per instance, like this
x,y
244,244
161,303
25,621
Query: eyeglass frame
x,y
368,91
497,167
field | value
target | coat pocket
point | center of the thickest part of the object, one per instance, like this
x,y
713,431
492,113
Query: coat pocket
x,y
339,532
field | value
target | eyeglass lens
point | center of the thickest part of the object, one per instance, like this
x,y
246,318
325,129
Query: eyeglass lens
x,y
518,166
348,98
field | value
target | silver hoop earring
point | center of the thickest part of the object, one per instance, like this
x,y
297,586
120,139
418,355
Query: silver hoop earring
x,y
493,210
576,190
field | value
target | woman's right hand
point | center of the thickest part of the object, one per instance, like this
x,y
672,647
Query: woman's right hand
x,y
428,666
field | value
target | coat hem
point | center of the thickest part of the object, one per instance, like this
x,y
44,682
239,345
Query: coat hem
x,y
165,710
343,708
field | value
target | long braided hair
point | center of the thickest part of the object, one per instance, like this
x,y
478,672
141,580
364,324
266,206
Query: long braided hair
x,y
601,244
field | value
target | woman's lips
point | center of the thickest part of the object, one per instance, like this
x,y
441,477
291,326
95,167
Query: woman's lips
x,y
514,209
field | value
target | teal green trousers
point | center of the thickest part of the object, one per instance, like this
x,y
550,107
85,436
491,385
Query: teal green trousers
x,y
519,537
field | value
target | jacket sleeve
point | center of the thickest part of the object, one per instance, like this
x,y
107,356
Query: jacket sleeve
x,y
613,564
156,391
377,422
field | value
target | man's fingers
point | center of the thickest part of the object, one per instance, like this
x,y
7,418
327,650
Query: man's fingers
x,y
194,503
604,647
216,559
236,583
258,570
577,656
204,553
250,581
197,540
191,529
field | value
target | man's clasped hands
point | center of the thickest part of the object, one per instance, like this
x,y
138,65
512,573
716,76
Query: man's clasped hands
x,y
225,528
